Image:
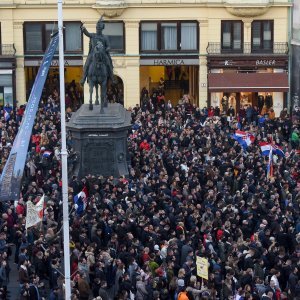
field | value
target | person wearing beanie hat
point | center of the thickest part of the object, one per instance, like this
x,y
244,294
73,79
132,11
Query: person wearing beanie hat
x,y
180,283
181,290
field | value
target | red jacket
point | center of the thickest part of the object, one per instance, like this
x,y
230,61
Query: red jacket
x,y
220,233
144,146
20,209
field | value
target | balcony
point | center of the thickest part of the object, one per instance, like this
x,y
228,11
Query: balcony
x,y
7,50
278,49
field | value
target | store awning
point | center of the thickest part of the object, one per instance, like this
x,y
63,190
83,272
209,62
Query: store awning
x,y
248,82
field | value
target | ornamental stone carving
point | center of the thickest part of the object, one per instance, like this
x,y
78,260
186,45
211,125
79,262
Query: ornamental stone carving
x,y
110,8
18,25
119,63
247,12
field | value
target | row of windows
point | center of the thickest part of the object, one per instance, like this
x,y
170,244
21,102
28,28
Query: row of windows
x,y
172,36
37,36
261,36
166,36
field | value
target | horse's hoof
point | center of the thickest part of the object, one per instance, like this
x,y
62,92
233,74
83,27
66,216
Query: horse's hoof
x,y
91,107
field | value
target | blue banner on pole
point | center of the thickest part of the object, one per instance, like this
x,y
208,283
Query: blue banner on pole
x,y
11,177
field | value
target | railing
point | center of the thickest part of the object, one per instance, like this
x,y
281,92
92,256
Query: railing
x,y
170,84
7,50
278,48
176,84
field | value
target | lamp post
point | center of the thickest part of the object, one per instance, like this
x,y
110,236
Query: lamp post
x,y
64,155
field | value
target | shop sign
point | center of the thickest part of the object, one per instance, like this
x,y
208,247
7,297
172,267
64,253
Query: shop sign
x,y
54,63
247,62
4,72
265,62
169,62
228,62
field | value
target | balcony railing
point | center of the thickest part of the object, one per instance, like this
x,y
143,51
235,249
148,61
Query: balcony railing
x,y
247,49
7,50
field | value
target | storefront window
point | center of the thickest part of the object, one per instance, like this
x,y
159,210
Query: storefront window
x,y
246,98
115,33
232,103
188,36
6,89
232,35
262,36
8,96
225,101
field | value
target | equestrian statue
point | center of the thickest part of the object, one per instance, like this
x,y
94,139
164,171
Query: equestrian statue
x,y
98,68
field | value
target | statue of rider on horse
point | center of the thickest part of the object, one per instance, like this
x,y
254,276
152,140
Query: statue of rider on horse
x,y
98,67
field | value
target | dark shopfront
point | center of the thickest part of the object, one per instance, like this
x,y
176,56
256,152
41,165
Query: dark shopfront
x,y
257,81
73,73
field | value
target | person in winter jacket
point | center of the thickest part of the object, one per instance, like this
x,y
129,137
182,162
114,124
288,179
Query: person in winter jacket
x,y
144,145
141,291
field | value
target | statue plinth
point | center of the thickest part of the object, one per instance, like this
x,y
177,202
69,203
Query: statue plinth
x,y
100,140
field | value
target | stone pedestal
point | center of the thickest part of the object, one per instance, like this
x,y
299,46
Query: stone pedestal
x,y
100,140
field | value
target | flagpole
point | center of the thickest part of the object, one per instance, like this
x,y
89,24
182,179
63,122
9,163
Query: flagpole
x,y
64,155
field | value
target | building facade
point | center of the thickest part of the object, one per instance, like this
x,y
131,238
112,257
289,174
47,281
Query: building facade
x,y
211,50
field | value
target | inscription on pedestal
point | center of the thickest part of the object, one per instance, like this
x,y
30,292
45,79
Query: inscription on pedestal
x,y
98,157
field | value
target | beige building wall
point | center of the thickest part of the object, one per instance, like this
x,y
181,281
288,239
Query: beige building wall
x,y
13,13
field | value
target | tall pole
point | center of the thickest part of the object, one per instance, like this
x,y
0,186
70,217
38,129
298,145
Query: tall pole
x,y
64,155
290,50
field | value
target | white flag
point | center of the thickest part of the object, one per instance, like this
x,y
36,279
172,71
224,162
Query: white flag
x,y
34,213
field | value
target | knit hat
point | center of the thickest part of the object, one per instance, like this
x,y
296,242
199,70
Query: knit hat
x,y
180,282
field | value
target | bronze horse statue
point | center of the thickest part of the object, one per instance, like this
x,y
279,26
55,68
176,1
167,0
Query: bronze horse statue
x,y
98,75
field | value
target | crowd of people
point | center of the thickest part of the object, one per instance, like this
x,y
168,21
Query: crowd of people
x,y
191,191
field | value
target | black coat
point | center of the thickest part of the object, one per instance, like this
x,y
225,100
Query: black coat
x,y
34,294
